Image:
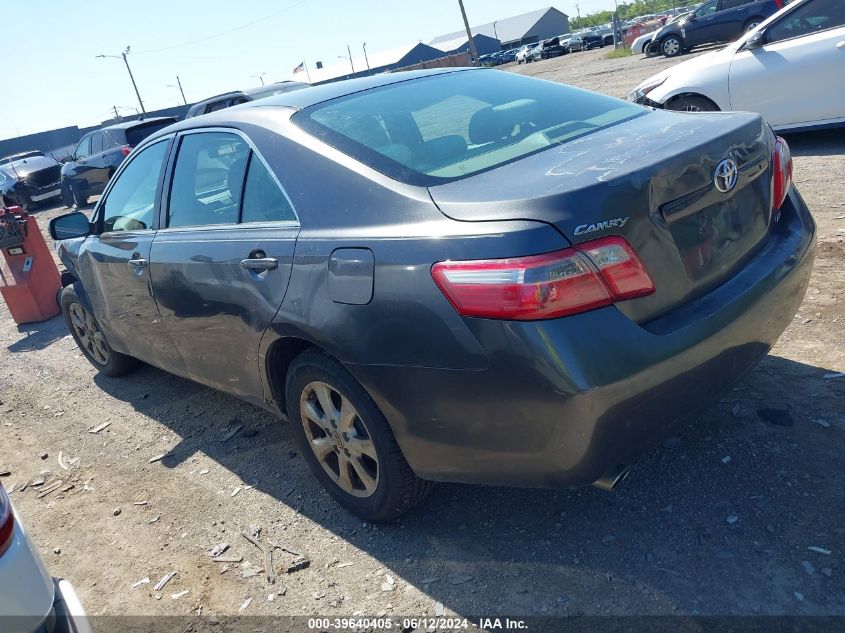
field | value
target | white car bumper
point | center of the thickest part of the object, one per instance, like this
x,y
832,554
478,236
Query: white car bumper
x,y
30,600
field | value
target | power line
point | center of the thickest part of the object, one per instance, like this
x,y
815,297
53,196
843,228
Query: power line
x,y
222,33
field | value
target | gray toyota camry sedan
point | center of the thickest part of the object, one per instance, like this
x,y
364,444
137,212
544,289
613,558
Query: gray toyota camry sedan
x,y
459,275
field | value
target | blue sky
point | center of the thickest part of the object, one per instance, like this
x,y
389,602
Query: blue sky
x,y
54,78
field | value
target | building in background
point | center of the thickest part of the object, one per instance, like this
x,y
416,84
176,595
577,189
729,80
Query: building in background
x,y
460,44
515,31
373,63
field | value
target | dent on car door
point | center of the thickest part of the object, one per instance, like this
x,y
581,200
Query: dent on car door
x,y
113,265
803,57
221,267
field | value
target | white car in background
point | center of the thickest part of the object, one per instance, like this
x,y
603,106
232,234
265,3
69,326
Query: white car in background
x,y
32,601
790,69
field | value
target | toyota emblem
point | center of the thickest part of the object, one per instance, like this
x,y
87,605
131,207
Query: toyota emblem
x,y
726,175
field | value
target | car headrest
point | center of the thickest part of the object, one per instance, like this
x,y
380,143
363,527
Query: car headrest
x,y
441,150
496,123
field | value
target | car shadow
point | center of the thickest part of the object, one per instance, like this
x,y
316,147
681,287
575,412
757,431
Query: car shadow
x,y
38,336
708,523
829,142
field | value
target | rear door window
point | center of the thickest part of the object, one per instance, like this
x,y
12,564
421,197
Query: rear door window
x,y
264,200
207,180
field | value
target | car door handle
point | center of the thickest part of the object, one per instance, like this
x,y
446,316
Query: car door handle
x,y
260,263
138,263
841,45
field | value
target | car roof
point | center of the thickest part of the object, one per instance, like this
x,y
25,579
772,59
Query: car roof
x,y
313,95
125,125
222,95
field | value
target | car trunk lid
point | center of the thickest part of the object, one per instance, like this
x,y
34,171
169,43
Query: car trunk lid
x,y
650,180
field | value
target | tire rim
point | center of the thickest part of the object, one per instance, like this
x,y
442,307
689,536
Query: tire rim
x,y
88,334
751,26
692,108
671,47
339,439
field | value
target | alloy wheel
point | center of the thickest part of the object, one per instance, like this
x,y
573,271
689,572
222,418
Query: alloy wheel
x,y
671,47
88,333
339,439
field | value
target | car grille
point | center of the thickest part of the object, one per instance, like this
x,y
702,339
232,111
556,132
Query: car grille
x,y
44,177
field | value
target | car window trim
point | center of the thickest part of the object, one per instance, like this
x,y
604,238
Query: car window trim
x,y
97,215
253,151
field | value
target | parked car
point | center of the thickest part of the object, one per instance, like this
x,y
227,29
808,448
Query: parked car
x,y
429,293
549,48
523,55
229,99
712,22
508,56
799,50
639,44
585,42
31,601
98,154
28,178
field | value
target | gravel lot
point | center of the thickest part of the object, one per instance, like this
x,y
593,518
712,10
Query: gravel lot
x,y
735,516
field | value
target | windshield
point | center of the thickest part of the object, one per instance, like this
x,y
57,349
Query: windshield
x,y
445,127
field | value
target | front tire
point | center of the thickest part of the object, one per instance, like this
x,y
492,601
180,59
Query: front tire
x,y
67,195
79,199
692,103
671,46
753,23
89,337
347,441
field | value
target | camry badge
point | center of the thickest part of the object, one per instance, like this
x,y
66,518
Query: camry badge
x,y
615,223
726,175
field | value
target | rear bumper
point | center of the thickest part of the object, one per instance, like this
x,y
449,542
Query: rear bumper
x,y
565,400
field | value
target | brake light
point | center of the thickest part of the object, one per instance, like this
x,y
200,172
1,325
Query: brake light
x,y
782,168
125,150
585,277
7,521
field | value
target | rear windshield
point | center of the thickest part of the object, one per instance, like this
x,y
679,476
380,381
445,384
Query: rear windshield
x,y
138,133
441,128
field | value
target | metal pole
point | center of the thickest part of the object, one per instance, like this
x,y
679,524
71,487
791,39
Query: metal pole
x,y
179,83
116,115
349,50
365,56
472,49
134,85
307,74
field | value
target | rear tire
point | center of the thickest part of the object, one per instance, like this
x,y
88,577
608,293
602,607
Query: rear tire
x,y
671,46
692,103
330,415
89,337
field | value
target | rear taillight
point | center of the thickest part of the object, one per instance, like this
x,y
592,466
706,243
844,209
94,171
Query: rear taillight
x,y
7,521
782,168
125,150
588,276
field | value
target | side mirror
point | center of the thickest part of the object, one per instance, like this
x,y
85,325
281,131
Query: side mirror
x,y
70,225
758,40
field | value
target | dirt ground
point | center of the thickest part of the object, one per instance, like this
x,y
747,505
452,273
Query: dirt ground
x,y
735,516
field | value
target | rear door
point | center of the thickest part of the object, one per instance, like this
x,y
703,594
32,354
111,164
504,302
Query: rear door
x,y
798,75
221,266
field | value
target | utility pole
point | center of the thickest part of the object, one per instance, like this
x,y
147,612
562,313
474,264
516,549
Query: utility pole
x,y
472,49
349,50
365,56
116,115
179,83
131,77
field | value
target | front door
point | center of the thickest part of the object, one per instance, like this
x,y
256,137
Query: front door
x,y
114,264
702,26
798,75
221,266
